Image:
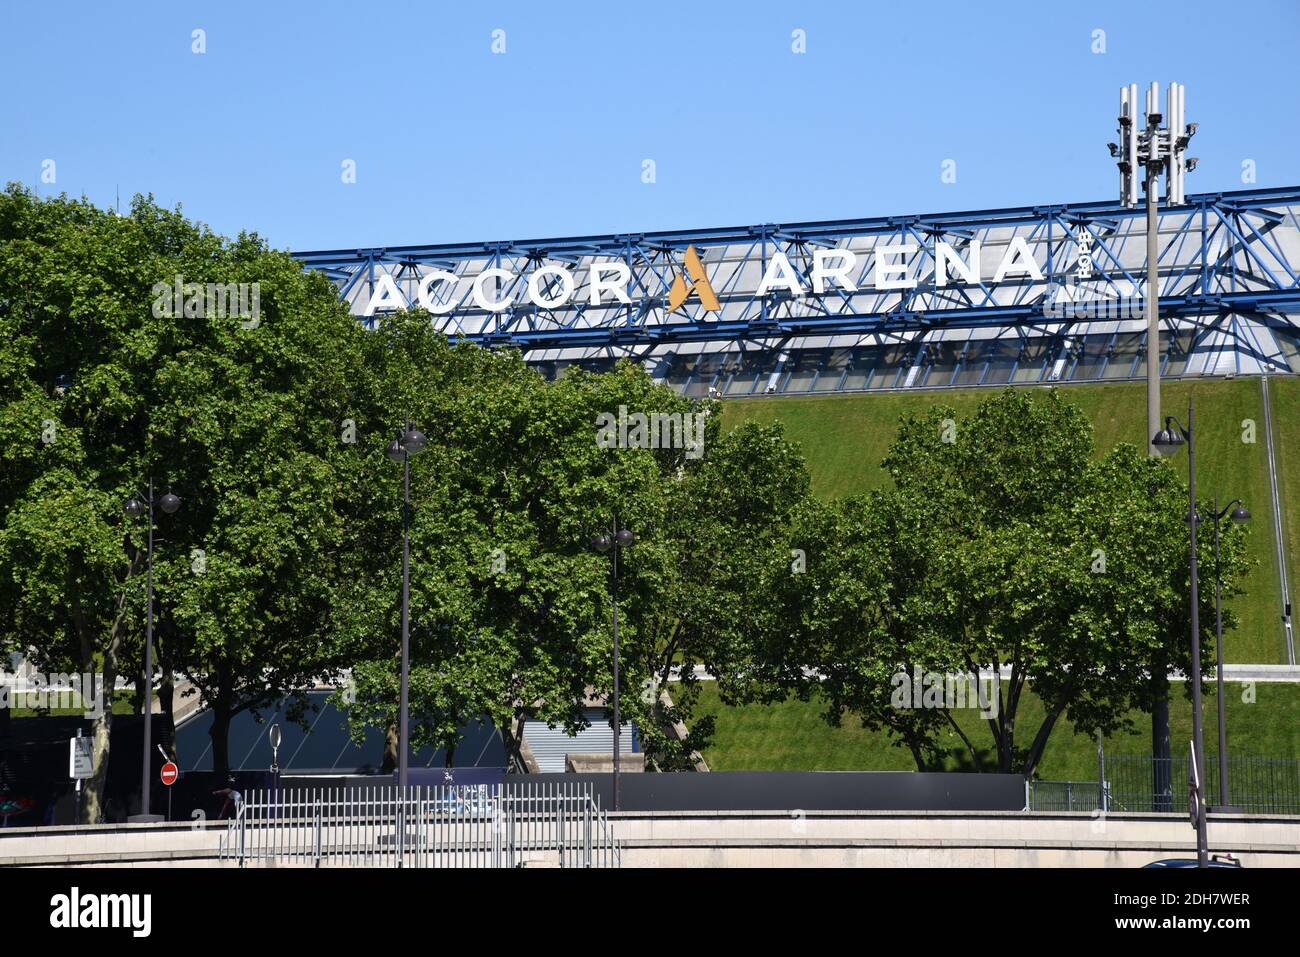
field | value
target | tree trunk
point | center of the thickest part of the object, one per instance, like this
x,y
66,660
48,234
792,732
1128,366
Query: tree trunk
x,y
1161,785
92,802
513,737
220,735
389,764
166,701
92,797
1036,750
917,755
223,710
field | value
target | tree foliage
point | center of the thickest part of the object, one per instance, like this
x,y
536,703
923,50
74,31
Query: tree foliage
x,y
1003,546
1002,543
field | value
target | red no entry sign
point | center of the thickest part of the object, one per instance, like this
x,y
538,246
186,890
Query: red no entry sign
x,y
169,773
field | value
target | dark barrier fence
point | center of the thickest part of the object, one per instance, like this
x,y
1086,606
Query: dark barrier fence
x,y
805,790
34,768
716,791
1255,785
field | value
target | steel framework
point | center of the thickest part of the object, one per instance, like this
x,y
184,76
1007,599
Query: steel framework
x,y
1229,269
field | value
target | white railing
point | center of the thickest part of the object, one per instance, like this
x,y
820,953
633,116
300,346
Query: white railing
x,y
498,825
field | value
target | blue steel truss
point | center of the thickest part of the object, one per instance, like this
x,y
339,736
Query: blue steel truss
x,y
1229,267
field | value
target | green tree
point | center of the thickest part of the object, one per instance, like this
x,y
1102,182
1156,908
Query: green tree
x,y
1003,547
75,367
510,615
497,607
711,582
105,384
260,421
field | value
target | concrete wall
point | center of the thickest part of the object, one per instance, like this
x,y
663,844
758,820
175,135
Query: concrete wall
x,y
773,839
942,839
114,845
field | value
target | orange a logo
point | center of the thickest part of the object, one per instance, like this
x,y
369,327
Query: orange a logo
x,y
699,285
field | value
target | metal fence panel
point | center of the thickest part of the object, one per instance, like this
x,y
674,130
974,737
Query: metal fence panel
x,y
445,826
1255,785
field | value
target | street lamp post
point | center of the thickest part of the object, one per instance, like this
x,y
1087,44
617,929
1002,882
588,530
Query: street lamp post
x,y
603,543
408,442
134,507
1161,151
1238,514
1167,441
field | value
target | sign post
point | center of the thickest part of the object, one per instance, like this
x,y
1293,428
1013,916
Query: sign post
x,y
168,776
81,763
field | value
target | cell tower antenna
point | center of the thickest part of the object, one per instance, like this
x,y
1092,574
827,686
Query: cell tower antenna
x,y
1159,150
1159,147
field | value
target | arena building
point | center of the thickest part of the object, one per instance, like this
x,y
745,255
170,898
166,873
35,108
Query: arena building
x,y
1029,295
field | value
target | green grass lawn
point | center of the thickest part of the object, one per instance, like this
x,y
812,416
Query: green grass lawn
x,y
844,438
123,703
1286,441
791,736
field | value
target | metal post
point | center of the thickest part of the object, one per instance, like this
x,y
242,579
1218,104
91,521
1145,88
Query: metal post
x,y
616,714
145,795
1153,300
1160,745
1197,730
401,827
1218,671
1101,775
586,831
403,743
511,839
77,812
496,825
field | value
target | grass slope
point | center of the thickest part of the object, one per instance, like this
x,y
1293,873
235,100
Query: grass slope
x,y
1286,448
844,438
791,736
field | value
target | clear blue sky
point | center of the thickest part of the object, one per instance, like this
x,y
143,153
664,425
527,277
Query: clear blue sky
x,y
455,143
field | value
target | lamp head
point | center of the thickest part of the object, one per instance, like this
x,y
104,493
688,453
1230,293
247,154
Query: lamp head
x,y
602,543
625,536
1240,514
134,507
1168,440
414,441
395,450
169,503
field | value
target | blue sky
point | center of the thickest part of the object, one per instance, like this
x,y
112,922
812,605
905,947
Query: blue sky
x,y
453,142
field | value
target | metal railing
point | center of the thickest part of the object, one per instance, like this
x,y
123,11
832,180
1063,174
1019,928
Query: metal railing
x,y
1064,796
1255,785
499,825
